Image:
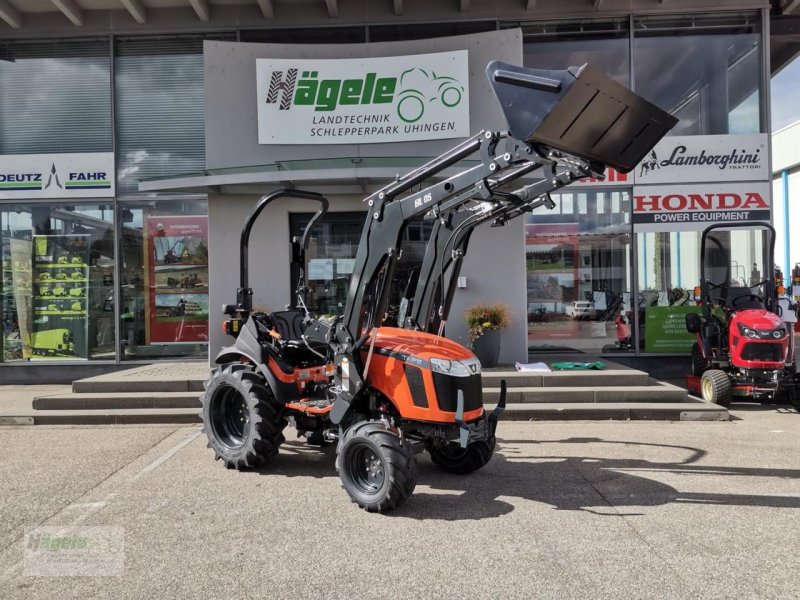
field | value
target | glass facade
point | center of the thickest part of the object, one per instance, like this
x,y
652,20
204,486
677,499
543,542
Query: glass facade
x,y
57,281
61,258
704,70
55,97
331,252
578,259
603,44
126,278
164,279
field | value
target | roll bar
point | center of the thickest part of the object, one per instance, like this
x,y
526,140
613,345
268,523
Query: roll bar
x,y
244,295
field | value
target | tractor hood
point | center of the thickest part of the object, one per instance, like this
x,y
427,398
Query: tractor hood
x,y
401,343
758,319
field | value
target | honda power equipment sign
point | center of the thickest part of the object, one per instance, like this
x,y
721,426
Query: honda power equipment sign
x,y
695,158
87,175
363,100
693,207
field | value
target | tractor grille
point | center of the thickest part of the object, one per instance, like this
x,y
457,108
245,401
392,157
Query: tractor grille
x,y
768,352
447,391
416,385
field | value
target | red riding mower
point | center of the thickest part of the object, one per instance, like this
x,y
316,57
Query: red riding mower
x,y
745,338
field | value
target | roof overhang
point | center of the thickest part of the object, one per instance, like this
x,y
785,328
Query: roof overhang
x,y
332,176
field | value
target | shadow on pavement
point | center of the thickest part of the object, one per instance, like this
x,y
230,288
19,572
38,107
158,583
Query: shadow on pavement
x,y
606,486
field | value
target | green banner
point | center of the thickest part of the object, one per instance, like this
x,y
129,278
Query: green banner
x,y
665,328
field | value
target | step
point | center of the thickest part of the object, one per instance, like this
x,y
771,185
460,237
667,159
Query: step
x,y
149,382
655,392
593,378
162,377
617,411
120,416
117,400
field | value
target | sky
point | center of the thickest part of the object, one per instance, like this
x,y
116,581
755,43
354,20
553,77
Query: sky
x,y
785,93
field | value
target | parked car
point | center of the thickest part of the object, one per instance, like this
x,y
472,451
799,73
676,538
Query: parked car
x,y
580,309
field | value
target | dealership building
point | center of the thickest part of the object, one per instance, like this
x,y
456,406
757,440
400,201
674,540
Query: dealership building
x,y
137,135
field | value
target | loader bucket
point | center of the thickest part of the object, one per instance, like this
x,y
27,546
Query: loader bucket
x,y
579,111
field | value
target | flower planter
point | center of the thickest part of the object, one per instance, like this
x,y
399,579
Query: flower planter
x,y
487,347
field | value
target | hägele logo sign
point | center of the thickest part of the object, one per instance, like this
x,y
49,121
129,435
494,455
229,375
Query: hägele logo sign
x,y
367,100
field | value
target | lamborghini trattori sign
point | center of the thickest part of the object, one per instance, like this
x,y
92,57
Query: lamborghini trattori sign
x,y
364,100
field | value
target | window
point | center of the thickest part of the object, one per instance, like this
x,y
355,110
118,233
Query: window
x,y
331,254
160,108
57,281
55,97
601,44
578,273
707,73
306,35
164,279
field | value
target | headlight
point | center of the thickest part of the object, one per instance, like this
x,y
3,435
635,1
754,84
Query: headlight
x,y
779,333
453,367
747,332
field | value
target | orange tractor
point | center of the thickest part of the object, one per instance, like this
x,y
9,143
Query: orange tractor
x,y
384,393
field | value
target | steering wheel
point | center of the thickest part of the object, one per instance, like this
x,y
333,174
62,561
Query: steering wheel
x,y
737,299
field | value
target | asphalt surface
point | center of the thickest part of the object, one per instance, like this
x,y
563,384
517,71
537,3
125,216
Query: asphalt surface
x,y
563,510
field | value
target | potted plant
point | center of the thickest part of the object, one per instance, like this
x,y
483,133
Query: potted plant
x,y
485,324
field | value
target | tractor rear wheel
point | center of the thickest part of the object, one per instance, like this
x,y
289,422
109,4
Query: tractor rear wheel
x,y
462,461
242,419
377,467
699,363
715,386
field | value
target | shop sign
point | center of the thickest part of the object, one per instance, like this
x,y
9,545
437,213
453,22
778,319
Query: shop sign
x,y
30,176
699,158
665,329
363,100
695,207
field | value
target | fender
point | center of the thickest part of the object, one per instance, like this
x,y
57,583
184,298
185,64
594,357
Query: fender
x,y
248,346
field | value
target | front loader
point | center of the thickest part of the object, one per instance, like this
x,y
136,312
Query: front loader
x,y
384,393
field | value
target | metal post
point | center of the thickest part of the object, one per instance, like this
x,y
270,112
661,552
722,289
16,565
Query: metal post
x,y
787,273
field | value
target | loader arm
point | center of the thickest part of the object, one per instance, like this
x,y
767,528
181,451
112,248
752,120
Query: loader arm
x,y
573,122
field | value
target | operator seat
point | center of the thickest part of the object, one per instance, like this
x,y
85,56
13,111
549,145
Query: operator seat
x,y
289,323
741,292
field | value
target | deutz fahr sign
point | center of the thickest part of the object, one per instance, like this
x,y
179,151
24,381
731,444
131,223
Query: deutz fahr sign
x,y
364,100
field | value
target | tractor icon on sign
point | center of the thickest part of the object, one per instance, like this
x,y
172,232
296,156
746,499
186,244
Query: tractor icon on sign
x,y
419,87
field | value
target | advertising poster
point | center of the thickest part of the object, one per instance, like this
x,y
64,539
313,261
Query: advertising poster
x,y
551,256
177,267
665,329
60,280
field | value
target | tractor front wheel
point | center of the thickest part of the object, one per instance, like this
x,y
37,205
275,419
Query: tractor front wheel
x,y
716,387
242,419
462,461
377,467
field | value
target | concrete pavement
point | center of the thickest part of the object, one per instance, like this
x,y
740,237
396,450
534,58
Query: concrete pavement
x,y
563,510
